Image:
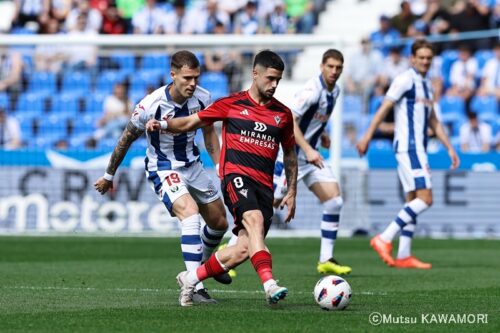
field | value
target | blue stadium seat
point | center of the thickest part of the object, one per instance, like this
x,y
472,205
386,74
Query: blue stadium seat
x,y
136,96
484,104
375,103
216,83
94,103
76,82
42,83
352,105
66,105
141,80
452,104
4,100
156,61
449,57
126,61
482,56
30,103
106,81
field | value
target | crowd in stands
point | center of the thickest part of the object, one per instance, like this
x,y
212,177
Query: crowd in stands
x,y
77,96
465,74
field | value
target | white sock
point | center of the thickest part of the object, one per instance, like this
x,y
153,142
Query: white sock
x,y
405,239
329,227
191,244
269,283
410,212
210,238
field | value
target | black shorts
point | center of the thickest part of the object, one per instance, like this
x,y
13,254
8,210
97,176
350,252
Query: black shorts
x,y
241,194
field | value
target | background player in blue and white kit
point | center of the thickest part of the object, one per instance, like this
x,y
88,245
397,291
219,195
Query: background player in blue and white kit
x,y
312,107
411,96
173,165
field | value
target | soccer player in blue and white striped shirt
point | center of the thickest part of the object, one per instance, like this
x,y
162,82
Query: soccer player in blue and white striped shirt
x,y
411,97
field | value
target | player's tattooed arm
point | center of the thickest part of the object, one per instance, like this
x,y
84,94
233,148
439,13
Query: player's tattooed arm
x,y
291,169
129,135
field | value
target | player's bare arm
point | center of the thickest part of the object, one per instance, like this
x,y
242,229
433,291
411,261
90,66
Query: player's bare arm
x,y
291,171
175,125
211,143
129,135
382,112
312,155
438,129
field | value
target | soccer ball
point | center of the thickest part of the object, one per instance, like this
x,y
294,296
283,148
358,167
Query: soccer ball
x,y
332,293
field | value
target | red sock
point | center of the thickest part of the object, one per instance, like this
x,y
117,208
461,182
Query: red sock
x,y
209,269
263,265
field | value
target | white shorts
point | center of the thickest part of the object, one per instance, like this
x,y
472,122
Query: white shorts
x,y
309,173
169,185
413,171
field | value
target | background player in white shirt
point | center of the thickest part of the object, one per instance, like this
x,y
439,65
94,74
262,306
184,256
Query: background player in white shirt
x,y
411,96
173,165
312,107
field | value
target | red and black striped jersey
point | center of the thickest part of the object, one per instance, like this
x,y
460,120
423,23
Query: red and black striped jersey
x,y
251,135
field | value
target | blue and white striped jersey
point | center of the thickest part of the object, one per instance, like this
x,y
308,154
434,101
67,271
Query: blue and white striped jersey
x,y
413,99
166,150
313,106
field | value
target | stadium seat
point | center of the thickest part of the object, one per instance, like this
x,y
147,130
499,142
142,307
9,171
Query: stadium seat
x,y
484,104
452,104
107,80
136,96
4,100
30,103
482,56
352,107
158,62
42,83
76,82
216,83
66,105
141,80
94,103
449,57
125,60
375,103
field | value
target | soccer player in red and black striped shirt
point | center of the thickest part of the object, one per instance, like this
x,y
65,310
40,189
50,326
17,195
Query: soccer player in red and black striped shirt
x,y
254,125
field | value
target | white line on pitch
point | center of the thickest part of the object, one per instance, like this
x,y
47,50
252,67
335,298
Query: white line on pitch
x,y
152,290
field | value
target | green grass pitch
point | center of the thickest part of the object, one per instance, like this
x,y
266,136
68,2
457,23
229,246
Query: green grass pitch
x,y
80,284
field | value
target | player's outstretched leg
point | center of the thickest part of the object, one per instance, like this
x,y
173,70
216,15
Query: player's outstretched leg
x,y
275,293
383,249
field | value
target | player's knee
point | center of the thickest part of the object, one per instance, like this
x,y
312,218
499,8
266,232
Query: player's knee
x,y
185,208
333,205
219,223
428,201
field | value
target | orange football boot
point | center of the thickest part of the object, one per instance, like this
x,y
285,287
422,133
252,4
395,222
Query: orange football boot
x,y
383,249
411,262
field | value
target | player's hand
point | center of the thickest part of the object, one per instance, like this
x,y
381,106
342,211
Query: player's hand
x,y
362,146
455,161
153,125
325,140
314,157
102,185
289,201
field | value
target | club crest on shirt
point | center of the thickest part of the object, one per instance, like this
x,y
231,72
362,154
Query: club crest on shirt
x,y
277,119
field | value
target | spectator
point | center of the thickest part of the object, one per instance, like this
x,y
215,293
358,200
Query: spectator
x,y
10,132
247,22
93,17
362,69
490,78
61,144
301,14
463,74
180,22
404,19
82,56
31,14
127,10
475,136
112,23
437,17
394,65
385,37
475,16
149,19
277,21
116,114
60,9
208,17
50,57
11,69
